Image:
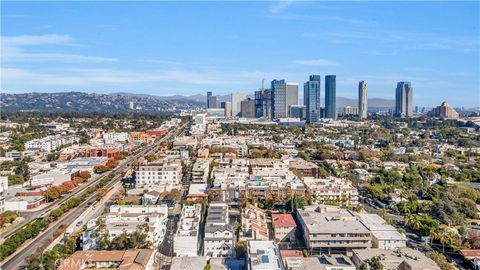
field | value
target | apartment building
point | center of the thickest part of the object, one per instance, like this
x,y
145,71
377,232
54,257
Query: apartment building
x,y
323,262
219,237
303,168
163,174
332,189
186,241
262,255
284,227
127,218
254,223
114,137
384,235
200,170
332,230
400,259
50,143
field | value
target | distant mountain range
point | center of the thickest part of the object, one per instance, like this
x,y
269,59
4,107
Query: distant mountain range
x,y
127,102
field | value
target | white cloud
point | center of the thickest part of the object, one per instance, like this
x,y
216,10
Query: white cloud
x,y
280,6
315,62
26,40
13,50
15,78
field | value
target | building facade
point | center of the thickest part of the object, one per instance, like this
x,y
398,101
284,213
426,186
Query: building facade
x,y
237,99
298,111
248,108
403,99
362,100
227,107
279,99
444,111
186,241
292,96
218,240
331,96
163,173
311,98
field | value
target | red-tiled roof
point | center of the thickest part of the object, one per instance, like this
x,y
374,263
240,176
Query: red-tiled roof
x,y
291,253
470,253
283,220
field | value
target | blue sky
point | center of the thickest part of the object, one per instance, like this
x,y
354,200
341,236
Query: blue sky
x,y
166,48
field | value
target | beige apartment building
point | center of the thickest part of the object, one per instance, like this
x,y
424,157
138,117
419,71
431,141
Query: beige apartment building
x,y
332,230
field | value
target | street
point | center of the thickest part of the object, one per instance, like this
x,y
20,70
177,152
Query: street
x,y
39,243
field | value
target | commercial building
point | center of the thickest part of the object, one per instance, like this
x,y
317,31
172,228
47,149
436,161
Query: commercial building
x,y
164,173
209,95
237,99
362,100
311,98
213,102
403,99
186,241
291,96
267,103
330,97
259,103
298,111
444,111
332,230
248,108
218,240
263,255
284,227
111,153
227,107
132,259
279,99
401,259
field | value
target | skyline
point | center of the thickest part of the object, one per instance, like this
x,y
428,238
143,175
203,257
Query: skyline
x,y
230,47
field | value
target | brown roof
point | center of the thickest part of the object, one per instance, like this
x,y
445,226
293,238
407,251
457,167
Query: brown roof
x,y
291,253
127,259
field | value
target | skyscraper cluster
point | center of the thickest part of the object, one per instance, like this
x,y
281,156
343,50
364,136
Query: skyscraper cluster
x,y
281,100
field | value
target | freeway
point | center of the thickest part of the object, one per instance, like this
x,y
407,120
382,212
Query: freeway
x,y
19,259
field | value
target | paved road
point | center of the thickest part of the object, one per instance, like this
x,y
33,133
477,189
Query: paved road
x,y
19,259
30,216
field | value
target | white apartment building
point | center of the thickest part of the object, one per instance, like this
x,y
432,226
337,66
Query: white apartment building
x,y
332,189
186,241
263,255
164,173
218,240
384,235
127,218
200,170
113,137
50,143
